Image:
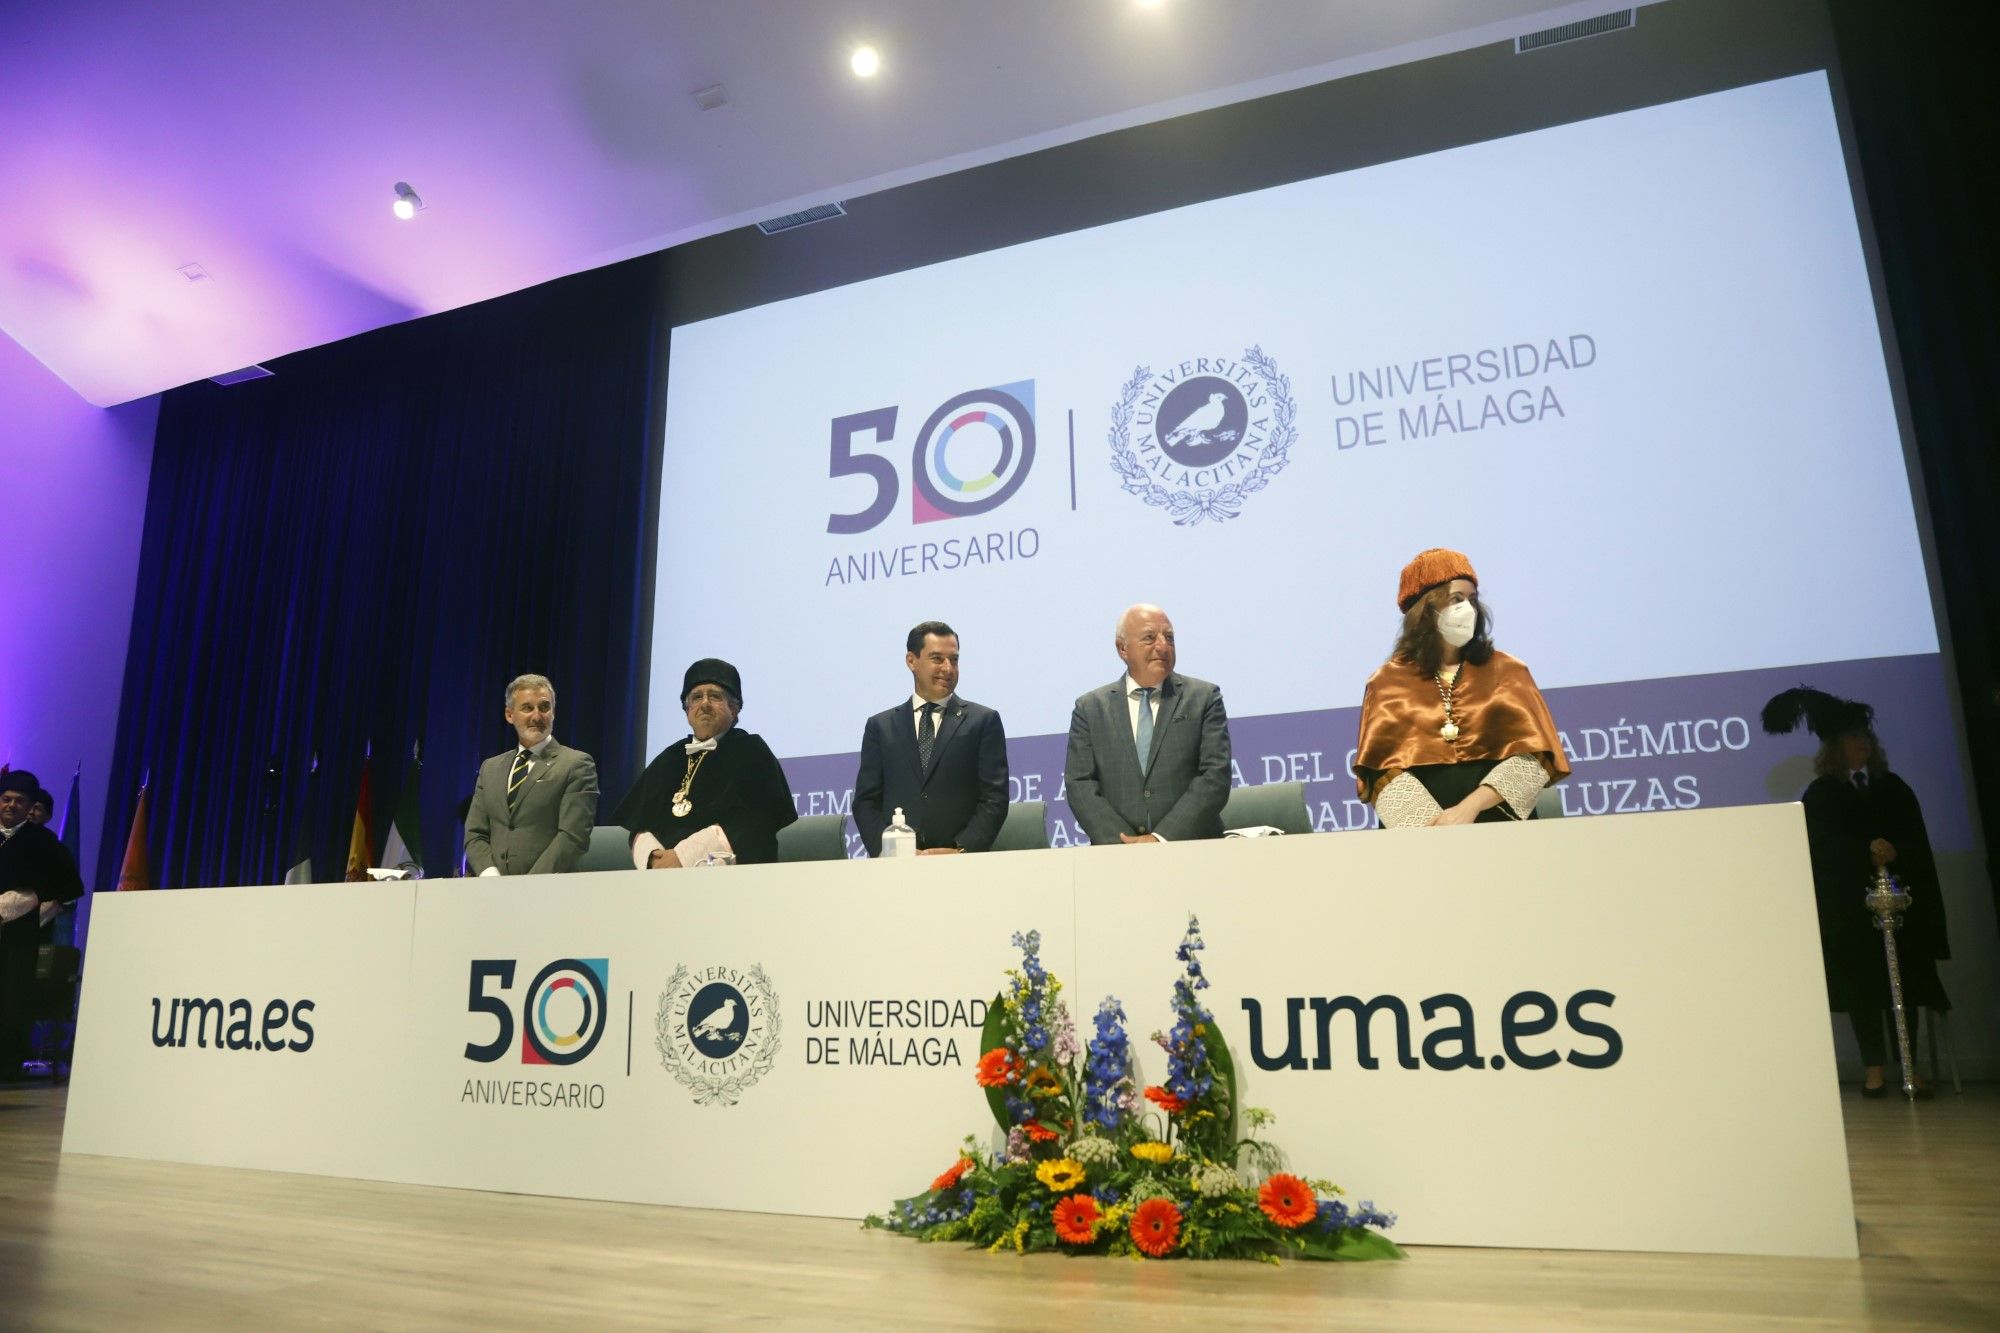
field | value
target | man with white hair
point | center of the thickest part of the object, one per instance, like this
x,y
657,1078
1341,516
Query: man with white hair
x,y
535,804
1148,754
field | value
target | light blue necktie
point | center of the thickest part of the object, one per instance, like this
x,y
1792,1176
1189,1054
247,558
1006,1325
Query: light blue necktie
x,y
1145,727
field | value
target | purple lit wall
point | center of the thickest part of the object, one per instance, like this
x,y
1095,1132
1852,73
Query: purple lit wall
x,y
72,506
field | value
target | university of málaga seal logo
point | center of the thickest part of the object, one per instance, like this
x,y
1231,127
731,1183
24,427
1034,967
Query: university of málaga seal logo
x,y
717,1031
1205,434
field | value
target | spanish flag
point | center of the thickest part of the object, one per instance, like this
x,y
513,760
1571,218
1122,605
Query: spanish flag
x,y
137,871
361,843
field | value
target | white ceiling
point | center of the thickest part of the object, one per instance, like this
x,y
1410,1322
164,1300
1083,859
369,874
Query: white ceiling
x,y
261,139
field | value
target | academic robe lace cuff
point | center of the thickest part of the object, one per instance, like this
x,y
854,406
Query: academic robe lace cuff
x,y
1519,781
1403,802
698,846
691,850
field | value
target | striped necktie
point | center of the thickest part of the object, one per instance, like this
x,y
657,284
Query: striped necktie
x,y
926,737
517,778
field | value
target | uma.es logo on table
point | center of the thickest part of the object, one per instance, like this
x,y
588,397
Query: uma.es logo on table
x,y
973,453
1528,1020
181,1021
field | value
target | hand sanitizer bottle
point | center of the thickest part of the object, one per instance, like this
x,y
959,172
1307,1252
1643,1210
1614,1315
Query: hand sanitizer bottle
x,y
899,839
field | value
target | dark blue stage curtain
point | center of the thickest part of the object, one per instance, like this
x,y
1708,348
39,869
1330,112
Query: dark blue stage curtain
x,y
1920,82
366,548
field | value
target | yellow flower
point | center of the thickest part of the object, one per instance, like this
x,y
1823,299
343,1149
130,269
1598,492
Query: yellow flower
x,y
1157,1153
1060,1175
1043,1083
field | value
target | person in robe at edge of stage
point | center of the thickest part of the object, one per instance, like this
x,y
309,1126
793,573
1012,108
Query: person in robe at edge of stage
x,y
940,758
1148,757
719,793
534,805
35,870
1859,816
1453,731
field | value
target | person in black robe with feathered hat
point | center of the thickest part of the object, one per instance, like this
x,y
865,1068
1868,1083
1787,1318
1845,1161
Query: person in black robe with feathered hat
x,y
1859,816
35,872
717,792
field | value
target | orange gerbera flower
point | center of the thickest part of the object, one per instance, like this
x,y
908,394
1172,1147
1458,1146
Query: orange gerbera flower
x,y
1156,1227
1076,1219
953,1175
1039,1134
996,1068
1165,1100
1288,1201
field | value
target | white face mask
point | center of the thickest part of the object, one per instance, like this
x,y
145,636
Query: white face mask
x,y
1456,623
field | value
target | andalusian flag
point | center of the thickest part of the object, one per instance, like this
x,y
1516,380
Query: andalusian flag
x,y
361,843
299,867
71,829
405,849
137,872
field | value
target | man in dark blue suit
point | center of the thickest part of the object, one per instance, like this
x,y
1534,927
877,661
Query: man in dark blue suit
x,y
941,758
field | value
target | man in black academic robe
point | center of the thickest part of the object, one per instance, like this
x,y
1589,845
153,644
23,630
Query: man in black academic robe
x,y
35,869
718,792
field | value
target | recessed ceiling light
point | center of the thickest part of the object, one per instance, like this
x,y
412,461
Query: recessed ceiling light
x,y
407,203
866,61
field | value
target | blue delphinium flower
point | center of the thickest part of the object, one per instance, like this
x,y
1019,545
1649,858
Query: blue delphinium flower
x,y
1106,1067
1029,992
1333,1215
1368,1215
1189,1075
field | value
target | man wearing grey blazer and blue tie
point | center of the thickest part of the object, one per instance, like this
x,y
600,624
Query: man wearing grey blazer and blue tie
x,y
1148,754
533,809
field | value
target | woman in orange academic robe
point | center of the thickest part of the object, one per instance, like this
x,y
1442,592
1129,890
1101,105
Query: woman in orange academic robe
x,y
1453,731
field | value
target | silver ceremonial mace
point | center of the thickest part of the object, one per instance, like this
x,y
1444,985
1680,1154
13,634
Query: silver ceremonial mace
x,y
1888,900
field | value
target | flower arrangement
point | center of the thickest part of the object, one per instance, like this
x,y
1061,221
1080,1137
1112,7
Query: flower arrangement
x,y
1095,1164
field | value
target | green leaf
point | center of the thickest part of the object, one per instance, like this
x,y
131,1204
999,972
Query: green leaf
x,y
1349,1243
999,1027
1225,1069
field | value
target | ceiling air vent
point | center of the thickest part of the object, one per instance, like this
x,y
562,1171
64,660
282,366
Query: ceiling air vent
x,y
817,213
1616,21
239,376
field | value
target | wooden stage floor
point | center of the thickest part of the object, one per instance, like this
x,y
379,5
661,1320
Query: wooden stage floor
x,y
103,1243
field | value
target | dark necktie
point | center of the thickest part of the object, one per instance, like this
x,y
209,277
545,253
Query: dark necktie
x,y
926,737
517,779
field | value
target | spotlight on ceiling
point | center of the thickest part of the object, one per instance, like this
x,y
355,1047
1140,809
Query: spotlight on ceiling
x,y
407,203
866,61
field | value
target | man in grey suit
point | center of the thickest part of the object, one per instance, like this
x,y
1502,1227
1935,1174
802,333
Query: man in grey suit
x,y
535,804
1149,753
